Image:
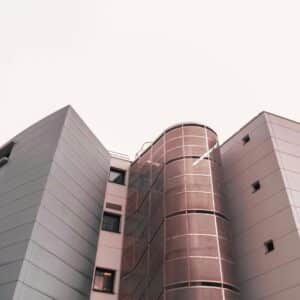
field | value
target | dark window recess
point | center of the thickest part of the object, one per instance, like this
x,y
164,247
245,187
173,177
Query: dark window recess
x,y
246,139
111,222
255,186
104,280
269,246
113,206
117,176
5,152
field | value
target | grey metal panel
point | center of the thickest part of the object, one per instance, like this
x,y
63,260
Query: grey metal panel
x,y
19,205
13,252
43,125
22,181
23,190
82,175
23,178
71,139
53,244
73,184
71,200
7,290
75,222
47,284
25,292
65,233
9,272
78,123
89,168
58,268
21,218
92,147
51,200
77,179
15,235
30,160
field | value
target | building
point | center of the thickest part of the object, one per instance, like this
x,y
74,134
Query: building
x,y
177,234
187,219
110,243
261,164
52,186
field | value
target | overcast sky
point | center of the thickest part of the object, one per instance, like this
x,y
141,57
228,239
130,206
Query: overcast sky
x,y
133,68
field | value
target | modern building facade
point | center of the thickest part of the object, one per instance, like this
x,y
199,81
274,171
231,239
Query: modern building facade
x,y
110,244
261,164
177,235
52,189
187,219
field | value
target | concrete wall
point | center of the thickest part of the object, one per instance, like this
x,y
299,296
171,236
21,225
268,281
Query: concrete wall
x,y
63,168
269,213
110,244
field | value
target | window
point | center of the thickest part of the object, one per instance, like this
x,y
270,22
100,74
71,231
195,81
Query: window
x,y
5,152
255,186
269,245
111,222
117,176
246,139
104,280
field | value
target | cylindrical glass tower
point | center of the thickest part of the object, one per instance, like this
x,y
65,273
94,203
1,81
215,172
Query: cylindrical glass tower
x,y
177,236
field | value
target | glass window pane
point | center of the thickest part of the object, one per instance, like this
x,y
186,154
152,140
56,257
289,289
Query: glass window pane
x,y
104,280
111,222
117,176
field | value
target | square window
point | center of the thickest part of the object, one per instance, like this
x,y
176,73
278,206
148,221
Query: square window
x,y
255,186
269,245
111,222
5,152
246,139
104,280
117,176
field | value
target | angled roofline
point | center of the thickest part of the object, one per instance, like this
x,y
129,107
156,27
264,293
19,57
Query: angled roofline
x,y
264,112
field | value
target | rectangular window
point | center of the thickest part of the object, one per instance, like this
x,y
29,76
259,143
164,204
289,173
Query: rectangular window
x,y
5,152
111,222
117,176
269,246
255,186
246,139
104,280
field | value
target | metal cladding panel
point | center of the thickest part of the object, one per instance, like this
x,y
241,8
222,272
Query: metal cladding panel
x,y
22,181
177,235
271,157
62,249
51,199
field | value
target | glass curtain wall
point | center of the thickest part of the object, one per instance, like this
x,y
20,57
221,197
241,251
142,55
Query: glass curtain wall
x,y
177,235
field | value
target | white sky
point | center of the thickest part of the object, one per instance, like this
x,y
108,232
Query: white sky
x,y
133,68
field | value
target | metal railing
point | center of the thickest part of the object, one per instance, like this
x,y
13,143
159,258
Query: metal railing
x,y
119,155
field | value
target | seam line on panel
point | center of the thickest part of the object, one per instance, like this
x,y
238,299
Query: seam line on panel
x,y
62,240
72,211
55,277
215,218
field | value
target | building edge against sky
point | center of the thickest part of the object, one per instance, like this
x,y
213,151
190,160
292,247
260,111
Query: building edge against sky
x,y
52,190
63,210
